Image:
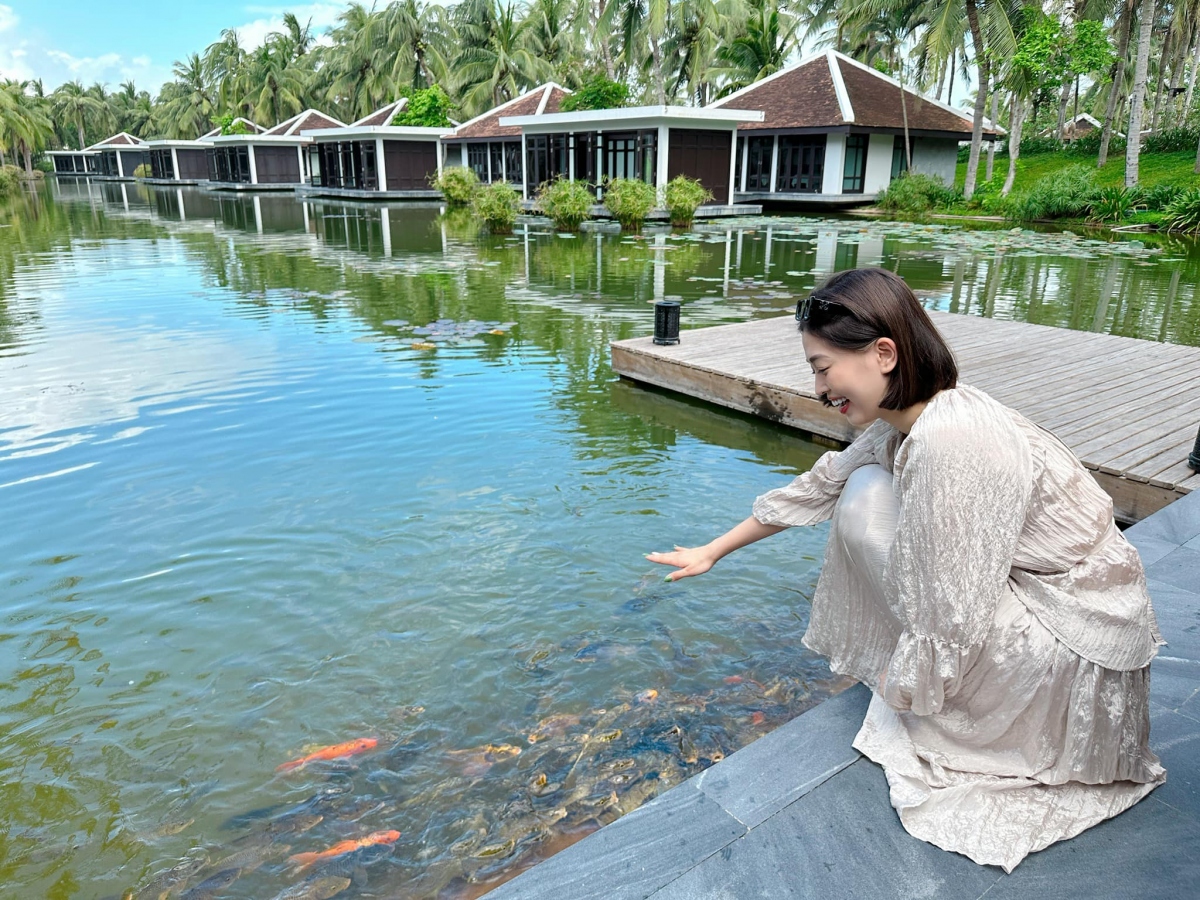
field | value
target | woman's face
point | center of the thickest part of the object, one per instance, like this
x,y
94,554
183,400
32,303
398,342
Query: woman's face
x,y
855,381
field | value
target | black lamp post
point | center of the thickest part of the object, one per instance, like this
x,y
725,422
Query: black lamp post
x,y
1194,458
666,322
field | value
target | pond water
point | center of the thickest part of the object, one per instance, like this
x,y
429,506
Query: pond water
x,y
279,475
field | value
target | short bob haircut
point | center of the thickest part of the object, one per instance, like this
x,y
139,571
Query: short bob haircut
x,y
856,307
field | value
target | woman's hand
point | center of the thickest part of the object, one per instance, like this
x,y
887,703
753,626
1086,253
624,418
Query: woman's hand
x,y
688,561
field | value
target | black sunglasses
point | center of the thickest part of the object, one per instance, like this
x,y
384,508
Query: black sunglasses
x,y
804,307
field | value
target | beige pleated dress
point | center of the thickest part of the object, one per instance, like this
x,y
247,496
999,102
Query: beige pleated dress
x,y
1007,633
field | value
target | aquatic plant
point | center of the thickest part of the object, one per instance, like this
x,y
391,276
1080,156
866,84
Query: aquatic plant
x,y
458,185
142,171
1067,193
1183,213
629,201
915,192
567,203
1159,197
1115,204
683,196
497,206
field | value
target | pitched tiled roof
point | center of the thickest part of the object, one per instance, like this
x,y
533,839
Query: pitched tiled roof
x,y
122,139
383,115
309,120
831,90
543,99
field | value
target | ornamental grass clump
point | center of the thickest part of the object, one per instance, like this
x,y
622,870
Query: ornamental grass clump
x,y
1183,214
682,197
1115,204
629,201
916,193
1067,193
567,203
1159,197
458,185
497,206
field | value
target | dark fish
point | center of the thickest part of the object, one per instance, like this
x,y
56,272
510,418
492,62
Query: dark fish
x,y
251,858
209,887
320,888
162,884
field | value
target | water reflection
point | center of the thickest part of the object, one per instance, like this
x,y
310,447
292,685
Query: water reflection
x,y
290,473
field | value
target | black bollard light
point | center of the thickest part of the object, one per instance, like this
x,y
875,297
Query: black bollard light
x,y
1194,458
666,322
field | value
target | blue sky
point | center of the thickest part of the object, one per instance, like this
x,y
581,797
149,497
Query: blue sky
x,y
61,40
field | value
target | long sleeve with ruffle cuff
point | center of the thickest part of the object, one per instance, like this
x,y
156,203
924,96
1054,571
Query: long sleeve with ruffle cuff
x,y
965,483
811,498
924,672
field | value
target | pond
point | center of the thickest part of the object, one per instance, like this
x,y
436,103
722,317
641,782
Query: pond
x,y
282,475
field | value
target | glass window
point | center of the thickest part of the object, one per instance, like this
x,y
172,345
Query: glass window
x,y
758,164
477,160
899,157
856,164
512,161
496,152
801,165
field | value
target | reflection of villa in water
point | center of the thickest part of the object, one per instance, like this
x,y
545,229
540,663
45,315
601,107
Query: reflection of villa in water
x,y
186,162
114,158
833,131
272,160
374,159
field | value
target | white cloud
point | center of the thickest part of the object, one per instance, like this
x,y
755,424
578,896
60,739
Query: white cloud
x,y
254,34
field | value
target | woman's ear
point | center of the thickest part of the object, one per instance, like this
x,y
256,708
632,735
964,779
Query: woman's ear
x,y
885,354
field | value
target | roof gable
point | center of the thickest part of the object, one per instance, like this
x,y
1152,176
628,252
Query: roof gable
x,y
309,120
831,90
545,98
120,139
383,115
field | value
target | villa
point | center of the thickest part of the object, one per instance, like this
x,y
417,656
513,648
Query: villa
x,y
272,160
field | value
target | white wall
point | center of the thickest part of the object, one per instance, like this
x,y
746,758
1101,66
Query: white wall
x,y
935,156
835,163
879,163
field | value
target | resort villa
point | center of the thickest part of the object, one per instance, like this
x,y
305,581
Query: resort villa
x,y
494,151
186,162
374,159
114,158
274,159
832,131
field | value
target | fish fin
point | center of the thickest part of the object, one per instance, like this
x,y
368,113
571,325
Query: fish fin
x,y
303,860
289,765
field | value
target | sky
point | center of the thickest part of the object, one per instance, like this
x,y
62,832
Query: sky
x,y
111,42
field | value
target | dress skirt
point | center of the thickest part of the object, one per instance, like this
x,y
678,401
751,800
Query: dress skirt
x,y
1036,745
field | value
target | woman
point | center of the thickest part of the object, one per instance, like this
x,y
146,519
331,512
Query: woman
x,y
974,579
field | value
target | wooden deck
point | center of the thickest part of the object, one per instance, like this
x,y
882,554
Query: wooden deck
x,y
1128,408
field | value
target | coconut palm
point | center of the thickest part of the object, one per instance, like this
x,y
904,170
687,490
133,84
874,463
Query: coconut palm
x,y
502,64
190,109
72,103
25,125
769,38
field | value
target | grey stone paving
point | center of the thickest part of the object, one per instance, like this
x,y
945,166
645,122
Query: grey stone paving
x,y
800,814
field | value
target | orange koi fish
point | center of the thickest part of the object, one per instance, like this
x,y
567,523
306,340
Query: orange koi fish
x,y
337,751
341,848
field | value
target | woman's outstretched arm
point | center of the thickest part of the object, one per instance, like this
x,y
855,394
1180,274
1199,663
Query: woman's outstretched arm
x,y
698,560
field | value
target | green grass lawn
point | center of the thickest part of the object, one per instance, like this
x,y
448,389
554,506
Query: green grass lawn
x,y
1153,168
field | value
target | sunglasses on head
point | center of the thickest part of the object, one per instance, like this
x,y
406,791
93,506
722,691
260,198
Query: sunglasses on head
x,y
804,307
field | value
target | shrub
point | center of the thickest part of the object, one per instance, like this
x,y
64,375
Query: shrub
x,y
427,107
1035,144
1115,204
599,93
1066,193
1159,197
10,180
629,201
497,206
457,184
142,171
1172,140
1089,144
682,197
43,164
567,203
1183,213
915,192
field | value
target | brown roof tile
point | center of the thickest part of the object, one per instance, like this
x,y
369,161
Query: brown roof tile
x,y
310,119
383,115
122,139
488,125
876,102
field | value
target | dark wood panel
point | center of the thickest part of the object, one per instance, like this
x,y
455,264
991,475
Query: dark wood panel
x,y
192,164
410,164
277,165
703,155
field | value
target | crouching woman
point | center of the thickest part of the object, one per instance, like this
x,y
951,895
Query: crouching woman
x,y
974,579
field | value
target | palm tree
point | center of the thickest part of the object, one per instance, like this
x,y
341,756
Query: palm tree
x,y
278,82
358,69
1133,143
72,103
504,66
769,38
190,110
25,125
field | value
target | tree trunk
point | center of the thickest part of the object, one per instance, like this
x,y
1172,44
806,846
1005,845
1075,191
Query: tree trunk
x,y
1016,119
27,152
1160,77
659,81
1133,139
950,92
1115,90
991,160
981,63
1187,97
941,83
1177,65
79,125
1064,98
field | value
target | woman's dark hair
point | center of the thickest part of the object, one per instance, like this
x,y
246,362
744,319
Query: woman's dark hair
x,y
854,308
